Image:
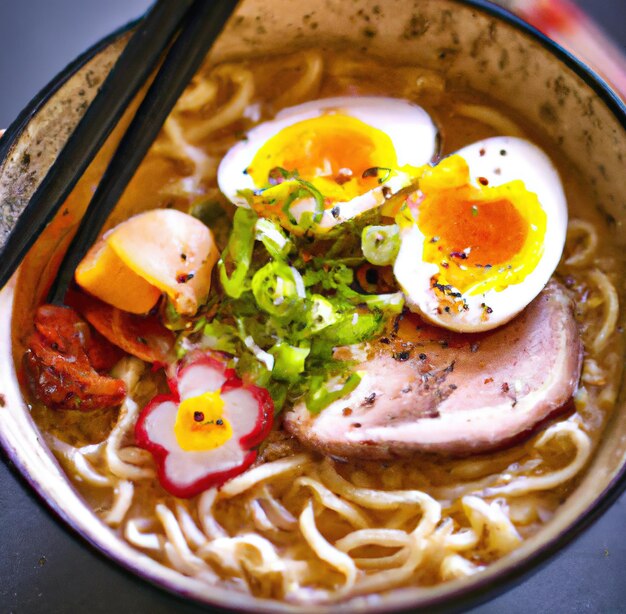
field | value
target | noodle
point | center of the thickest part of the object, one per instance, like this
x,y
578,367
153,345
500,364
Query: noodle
x,y
524,485
325,551
584,255
146,541
243,83
123,499
331,501
491,117
610,307
309,83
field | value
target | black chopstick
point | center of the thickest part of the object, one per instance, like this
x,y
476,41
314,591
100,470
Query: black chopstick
x,y
138,60
203,24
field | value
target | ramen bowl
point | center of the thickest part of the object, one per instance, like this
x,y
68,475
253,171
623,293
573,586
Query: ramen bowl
x,y
475,46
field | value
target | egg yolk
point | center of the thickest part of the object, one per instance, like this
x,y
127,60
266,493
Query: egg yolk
x,y
200,423
480,238
331,152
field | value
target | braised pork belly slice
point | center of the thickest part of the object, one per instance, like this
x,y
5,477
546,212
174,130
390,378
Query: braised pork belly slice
x,y
424,389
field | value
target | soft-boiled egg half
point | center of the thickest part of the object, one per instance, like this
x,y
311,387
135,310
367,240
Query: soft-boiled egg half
x,y
332,159
483,235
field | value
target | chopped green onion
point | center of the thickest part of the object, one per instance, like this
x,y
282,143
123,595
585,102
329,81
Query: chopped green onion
x,y
252,370
319,199
304,190
261,355
238,253
220,337
288,361
321,396
171,318
278,289
273,238
354,328
321,314
278,391
389,304
380,244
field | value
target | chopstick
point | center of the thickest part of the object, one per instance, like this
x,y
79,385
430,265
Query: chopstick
x,y
136,62
202,26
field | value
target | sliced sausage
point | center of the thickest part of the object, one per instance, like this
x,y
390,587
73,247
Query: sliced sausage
x,y
424,389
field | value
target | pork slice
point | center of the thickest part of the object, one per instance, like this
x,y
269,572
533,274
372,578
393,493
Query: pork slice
x,y
424,389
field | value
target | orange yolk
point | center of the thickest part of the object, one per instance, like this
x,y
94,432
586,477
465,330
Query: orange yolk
x,y
489,232
200,423
481,238
331,152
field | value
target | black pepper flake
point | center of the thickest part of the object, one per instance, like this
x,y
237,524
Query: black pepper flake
x,y
461,255
449,368
453,386
343,176
505,387
183,278
387,192
446,309
406,390
335,212
183,256
474,347
385,340
369,399
422,356
503,152
198,416
444,344
219,422
402,356
142,340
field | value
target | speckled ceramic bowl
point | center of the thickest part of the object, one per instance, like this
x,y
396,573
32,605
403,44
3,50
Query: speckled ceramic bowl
x,y
475,44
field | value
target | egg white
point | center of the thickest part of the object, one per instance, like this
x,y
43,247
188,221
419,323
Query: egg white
x,y
499,160
410,128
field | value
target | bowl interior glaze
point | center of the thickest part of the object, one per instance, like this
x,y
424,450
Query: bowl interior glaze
x,y
475,46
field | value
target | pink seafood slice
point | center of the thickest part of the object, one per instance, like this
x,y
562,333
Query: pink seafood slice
x,y
427,390
246,410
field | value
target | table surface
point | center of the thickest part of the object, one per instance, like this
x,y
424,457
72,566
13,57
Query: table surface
x,y
43,566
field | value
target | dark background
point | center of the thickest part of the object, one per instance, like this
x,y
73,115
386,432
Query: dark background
x,y
44,567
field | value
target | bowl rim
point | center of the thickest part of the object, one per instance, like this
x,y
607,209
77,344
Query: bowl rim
x,y
483,589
